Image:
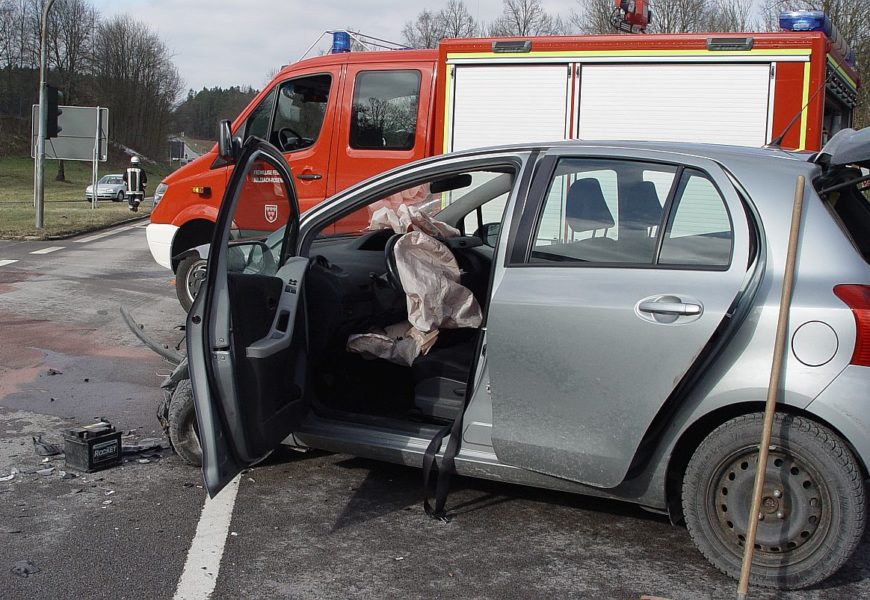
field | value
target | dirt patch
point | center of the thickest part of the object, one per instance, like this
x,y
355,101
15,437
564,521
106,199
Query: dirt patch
x,y
8,279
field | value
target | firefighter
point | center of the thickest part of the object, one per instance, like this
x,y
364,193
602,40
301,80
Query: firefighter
x,y
136,179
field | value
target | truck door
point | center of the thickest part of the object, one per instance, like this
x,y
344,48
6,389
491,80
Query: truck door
x,y
618,280
245,331
383,120
301,126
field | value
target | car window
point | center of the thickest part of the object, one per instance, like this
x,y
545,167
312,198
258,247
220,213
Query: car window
x,y
384,111
602,211
463,192
257,123
302,105
700,231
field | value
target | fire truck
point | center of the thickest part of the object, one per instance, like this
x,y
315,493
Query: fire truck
x,y
345,116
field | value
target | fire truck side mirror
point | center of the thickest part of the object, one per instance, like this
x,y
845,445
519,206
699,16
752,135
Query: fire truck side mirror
x,y
227,146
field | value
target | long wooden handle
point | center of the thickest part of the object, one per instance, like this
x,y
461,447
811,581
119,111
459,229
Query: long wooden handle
x,y
773,386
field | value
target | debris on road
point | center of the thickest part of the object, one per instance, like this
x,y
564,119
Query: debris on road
x,y
51,372
11,475
144,445
93,447
45,472
24,568
44,448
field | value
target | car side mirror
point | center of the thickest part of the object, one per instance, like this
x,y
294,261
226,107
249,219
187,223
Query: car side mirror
x,y
488,233
228,147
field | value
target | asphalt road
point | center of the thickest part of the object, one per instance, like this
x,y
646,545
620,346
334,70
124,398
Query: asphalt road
x,y
309,525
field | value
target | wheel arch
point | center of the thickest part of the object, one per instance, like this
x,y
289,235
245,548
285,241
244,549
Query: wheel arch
x,y
191,234
693,435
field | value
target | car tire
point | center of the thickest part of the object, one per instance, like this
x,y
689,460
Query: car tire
x,y
120,197
188,278
182,424
813,508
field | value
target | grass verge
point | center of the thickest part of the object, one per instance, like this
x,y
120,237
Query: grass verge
x,y
66,211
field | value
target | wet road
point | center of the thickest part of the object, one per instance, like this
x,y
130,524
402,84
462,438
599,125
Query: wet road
x,y
309,525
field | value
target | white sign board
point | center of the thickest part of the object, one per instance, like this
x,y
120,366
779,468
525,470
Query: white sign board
x,y
78,134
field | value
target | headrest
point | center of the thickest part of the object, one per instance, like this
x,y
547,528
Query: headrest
x,y
585,208
643,208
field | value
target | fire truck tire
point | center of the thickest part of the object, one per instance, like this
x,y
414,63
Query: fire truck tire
x,y
188,279
182,425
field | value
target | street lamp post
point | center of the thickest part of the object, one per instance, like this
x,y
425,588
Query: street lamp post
x,y
39,184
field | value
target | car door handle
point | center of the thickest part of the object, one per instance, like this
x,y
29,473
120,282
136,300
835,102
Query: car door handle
x,y
669,308
309,176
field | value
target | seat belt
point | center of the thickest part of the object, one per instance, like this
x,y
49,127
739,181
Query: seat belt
x,y
448,464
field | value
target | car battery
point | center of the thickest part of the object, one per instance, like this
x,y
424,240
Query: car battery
x,y
92,447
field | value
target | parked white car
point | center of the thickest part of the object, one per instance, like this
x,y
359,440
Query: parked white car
x,y
109,187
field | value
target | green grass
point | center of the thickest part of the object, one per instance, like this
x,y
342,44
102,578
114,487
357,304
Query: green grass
x,y
66,211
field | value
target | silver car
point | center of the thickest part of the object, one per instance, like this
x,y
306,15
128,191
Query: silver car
x,y
629,293
109,187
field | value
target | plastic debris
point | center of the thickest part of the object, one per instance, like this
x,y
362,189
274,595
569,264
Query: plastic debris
x,y
51,372
45,472
11,475
44,448
106,502
110,492
144,445
24,568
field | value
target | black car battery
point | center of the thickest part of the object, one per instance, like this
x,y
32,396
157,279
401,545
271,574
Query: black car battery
x,y
92,447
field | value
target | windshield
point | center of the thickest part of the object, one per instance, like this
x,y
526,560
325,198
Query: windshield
x,y
111,179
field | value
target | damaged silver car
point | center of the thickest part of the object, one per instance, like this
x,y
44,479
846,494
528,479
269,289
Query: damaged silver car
x,y
591,317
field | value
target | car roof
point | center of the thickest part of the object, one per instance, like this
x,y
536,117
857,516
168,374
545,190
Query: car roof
x,y
718,152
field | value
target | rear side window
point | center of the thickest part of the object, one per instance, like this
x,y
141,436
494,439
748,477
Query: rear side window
x,y
384,111
613,212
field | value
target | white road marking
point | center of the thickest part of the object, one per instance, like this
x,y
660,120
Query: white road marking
x,y
3,263
48,250
200,573
103,234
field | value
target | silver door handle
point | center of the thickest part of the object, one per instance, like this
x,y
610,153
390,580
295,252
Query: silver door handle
x,y
309,176
670,308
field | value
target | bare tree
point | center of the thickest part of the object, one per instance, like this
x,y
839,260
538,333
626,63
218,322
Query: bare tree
x,y
593,16
730,15
423,32
526,18
679,16
456,21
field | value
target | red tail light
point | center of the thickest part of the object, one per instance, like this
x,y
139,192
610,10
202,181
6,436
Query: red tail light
x,y
857,297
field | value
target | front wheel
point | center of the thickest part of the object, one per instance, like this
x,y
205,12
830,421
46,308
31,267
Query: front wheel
x,y
182,424
812,512
188,279
120,196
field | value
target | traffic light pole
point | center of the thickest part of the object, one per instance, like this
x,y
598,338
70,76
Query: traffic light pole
x,y
39,183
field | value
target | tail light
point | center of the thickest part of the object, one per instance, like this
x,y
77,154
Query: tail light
x,y
857,297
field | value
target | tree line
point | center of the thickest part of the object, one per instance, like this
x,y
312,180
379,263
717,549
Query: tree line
x,y
530,17
116,62
198,115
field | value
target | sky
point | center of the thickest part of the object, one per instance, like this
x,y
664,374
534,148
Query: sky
x,y
242,42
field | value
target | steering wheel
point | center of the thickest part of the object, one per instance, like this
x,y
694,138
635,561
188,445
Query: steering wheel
x,y
288,138
390,258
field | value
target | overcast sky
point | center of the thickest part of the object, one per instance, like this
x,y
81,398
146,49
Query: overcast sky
x,y
239,42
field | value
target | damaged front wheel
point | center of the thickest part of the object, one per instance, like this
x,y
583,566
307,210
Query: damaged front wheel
x,y
182,424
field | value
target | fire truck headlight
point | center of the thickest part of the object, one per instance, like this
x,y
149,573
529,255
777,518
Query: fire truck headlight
x,y
158,193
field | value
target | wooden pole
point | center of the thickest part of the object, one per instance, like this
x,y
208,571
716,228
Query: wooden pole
x,y
773,386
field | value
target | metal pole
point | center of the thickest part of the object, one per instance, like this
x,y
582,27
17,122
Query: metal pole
x,y
96,157
39,187
773,386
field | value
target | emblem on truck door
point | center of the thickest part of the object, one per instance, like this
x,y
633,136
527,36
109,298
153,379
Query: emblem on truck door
x,y
271,211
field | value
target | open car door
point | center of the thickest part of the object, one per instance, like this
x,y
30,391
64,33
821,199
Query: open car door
x,y
246,329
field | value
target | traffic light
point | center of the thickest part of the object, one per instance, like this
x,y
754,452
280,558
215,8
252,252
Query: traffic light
x,y
53,97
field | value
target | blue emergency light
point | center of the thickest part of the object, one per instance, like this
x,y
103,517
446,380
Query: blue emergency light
x,y
340,42
805,20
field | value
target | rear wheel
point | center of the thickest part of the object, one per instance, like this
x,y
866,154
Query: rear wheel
x,y
182,424
188,279
812,514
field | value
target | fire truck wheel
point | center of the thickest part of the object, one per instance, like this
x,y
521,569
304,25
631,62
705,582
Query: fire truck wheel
x,y
182,425
188,279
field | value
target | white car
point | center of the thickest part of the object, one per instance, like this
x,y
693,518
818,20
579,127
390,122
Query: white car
x,y
109,187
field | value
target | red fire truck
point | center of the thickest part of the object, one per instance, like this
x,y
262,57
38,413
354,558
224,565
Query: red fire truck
x,y
345,116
